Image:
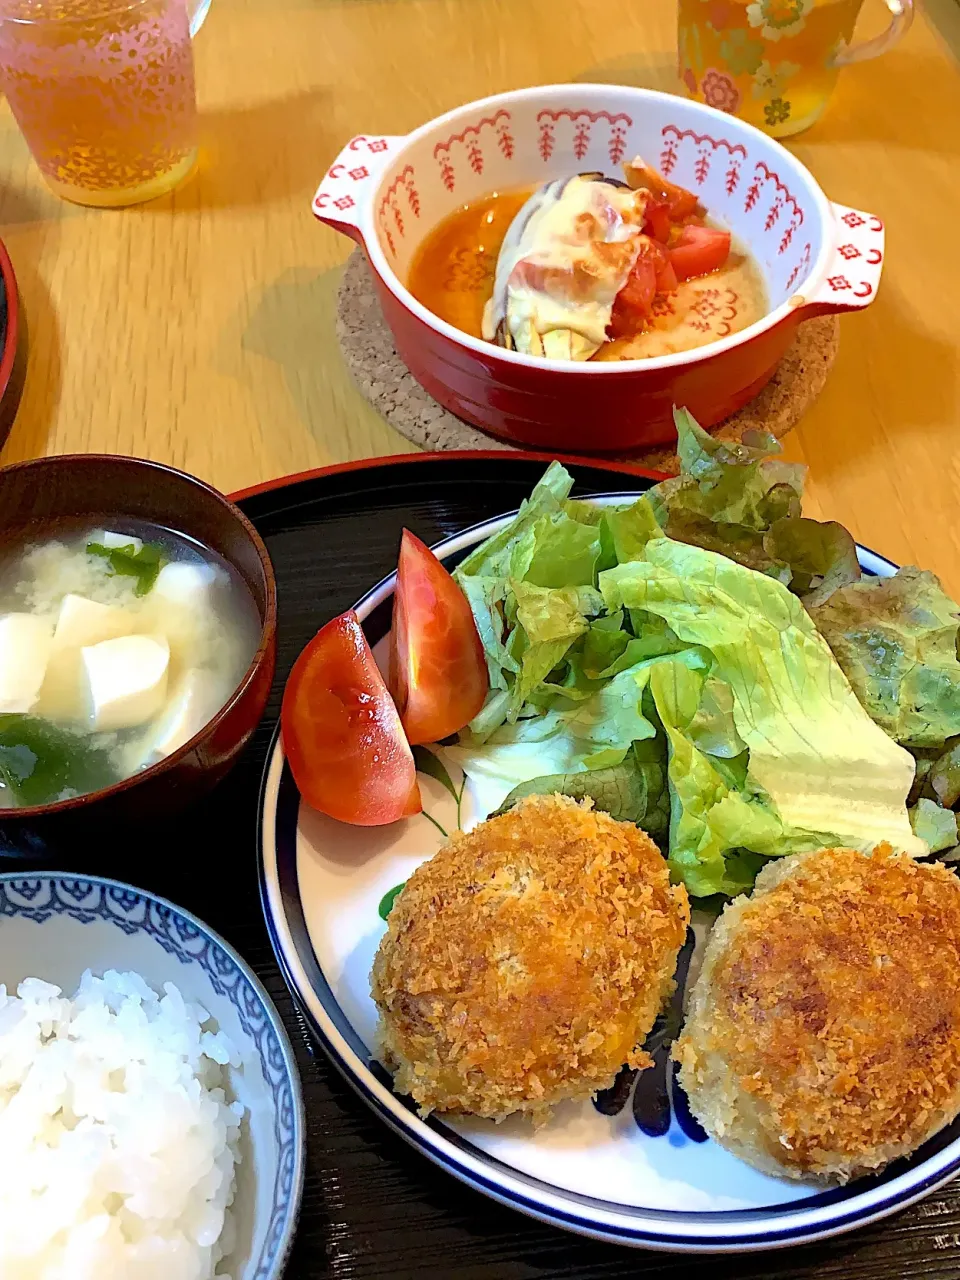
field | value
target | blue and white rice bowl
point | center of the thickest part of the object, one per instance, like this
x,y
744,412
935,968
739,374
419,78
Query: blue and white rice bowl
x,y
54,927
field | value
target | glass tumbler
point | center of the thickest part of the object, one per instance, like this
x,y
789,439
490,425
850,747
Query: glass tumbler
x,y
774,63
104,93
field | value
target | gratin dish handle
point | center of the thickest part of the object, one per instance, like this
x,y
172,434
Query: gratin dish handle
x,y
852,278
345,192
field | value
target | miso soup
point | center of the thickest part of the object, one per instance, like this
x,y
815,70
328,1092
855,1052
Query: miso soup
x,y
119,641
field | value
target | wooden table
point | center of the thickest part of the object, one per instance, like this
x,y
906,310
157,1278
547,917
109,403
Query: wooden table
x,y
199,329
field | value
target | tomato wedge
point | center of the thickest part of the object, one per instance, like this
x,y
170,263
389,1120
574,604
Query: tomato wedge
x,y
699,251
342,734
680,202
633,305
438,673
666,277
657,224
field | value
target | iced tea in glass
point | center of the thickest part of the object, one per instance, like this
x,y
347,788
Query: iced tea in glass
x,y
104,94
774,63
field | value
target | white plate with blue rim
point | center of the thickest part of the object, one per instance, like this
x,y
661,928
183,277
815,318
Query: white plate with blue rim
x,y
55,926
632,1167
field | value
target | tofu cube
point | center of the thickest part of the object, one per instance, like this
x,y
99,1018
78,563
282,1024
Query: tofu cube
x,y
185,584
81,623
126,680
25,644
106,538
189,708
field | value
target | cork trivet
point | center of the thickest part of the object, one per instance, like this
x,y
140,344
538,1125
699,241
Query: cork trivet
x,y
384,379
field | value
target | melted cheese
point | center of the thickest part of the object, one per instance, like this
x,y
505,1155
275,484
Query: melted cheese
x,y
564,260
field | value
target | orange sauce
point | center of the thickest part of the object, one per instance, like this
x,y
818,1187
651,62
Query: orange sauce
x,y
704,309
453,269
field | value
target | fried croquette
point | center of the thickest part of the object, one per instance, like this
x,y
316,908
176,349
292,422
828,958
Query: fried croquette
x,y
526,962
822,1037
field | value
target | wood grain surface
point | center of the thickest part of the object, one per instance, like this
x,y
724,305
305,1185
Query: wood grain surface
x,y
199,329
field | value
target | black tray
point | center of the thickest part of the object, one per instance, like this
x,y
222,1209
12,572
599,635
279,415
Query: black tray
x,y
372,1208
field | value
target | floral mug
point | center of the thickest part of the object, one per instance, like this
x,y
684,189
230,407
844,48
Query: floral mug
x,y
774,63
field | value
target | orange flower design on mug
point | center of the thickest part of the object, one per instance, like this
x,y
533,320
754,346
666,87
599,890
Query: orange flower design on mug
x,y
719,90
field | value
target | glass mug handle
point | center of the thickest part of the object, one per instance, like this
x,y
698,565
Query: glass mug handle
x,y
197,11
902,16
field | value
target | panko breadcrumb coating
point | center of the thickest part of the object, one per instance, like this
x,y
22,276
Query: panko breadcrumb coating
x,y
823,1034
526,962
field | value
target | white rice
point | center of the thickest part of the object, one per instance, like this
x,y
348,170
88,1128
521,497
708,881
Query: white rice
x,y
118,1147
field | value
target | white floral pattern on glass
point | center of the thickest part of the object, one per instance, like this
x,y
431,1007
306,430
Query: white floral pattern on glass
x,y
770,81
778,18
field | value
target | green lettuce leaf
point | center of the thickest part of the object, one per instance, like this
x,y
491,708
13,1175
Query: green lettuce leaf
x,y
633,791
551,621
942,775
491,715
695,661
631,528
595,733
815,757
604,643
650,757
486,596
557,551
743,501
713,728
713,818
822,556
896,640
492,558
739,542
532,588
934,825
738,484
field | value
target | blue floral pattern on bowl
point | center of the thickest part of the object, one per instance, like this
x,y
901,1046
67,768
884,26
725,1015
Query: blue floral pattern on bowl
x,y
41,897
